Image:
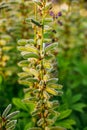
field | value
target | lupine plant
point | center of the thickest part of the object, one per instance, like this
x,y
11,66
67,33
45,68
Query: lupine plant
x,y
6,120
38,67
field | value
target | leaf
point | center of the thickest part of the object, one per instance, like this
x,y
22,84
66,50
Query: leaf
x,y
18,103
76,98
51,47
65,114
66,123
29,55
79,107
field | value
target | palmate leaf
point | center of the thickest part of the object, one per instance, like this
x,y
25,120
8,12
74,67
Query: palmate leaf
x,y
18,103
78,107
66,123
64,114
76,98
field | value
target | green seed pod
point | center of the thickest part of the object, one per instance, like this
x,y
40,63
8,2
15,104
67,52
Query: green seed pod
x,y
27,55
57,128
22,42
40,122
11,123
11,115
35,128
6,111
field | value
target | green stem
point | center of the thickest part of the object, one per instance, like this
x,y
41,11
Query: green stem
x,y
35,29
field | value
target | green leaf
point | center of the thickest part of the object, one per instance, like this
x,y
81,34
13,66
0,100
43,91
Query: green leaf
x,y
79,107
65,114
18,103
76,98
66,123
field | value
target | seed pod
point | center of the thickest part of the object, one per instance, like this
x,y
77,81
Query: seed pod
x,y
40,122
23,63
52,91
27,55
51,47
57,128
8,117
11,123
52,80
6,111
22,42
35,128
